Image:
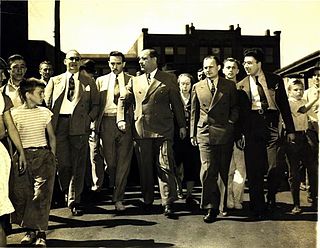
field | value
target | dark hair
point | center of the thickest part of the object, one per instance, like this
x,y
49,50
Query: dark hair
x,y
29,85
186,75
46,62
3,64
257,53
232,60
15,57
214,58
88,65
117,54
295,82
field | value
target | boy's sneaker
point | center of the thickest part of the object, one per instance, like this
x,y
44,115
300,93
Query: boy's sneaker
x,y
29,238
41,240
296,210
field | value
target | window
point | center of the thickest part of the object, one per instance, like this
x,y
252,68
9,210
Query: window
x,y
203,53
168,51
215,51
181,50
268,54
227,52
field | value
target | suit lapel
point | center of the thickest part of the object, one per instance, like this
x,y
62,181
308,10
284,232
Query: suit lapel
x,y
217,96
59,88
155,83
205,93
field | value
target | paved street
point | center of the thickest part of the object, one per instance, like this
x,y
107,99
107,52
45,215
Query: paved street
x,y
101,227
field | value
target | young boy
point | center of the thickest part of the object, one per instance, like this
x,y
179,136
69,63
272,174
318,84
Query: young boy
x,y
32,190
299,150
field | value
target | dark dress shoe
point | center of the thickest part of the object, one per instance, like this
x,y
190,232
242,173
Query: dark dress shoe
x,y
210,217
167,210
76,210
147,207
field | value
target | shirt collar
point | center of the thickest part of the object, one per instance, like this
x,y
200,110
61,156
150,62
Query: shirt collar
x,y
214,81
153,73
75,75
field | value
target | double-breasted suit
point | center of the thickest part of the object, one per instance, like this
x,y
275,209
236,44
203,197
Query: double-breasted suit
x,y
212,124
117,146
72,130
155,107
260,129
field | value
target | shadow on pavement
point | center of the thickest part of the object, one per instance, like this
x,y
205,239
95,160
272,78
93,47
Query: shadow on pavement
x,y
108,223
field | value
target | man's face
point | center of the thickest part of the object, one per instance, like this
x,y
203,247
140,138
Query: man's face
x,y
116,64
230,70
296,91
46,71
17,70
251,65
147,63
36,96
2,76
210,68
72,61
184,84
316,78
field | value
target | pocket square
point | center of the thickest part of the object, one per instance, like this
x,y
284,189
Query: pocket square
x,y
87,88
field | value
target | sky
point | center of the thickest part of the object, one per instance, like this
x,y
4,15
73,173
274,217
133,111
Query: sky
x,y
100,26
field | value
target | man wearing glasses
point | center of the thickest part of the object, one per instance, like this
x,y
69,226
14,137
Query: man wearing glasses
x,y
17,69
262,99
73,99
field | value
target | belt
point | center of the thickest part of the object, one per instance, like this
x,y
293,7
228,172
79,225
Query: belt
x,y
64,115
110,114
263,112
31,148
300,132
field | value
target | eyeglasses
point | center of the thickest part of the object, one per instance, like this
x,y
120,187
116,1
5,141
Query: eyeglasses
x,y
77,59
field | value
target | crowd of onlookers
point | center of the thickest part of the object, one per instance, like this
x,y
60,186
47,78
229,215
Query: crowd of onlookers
x,y
62,133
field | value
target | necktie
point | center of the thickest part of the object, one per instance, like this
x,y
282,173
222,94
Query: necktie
x,y
71,88
263,98
148,78
213,88
116,91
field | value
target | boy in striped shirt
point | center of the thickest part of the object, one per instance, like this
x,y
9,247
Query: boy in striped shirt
x,y
32,191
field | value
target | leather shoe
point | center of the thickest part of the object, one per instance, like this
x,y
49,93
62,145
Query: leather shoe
x,y
210,217
167,210
76,210
147,207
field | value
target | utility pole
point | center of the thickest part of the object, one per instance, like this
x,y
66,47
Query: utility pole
x,y
57,44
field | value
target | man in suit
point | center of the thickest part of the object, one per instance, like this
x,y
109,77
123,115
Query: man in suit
x,y
214,110
117,145
74,100
156,102
262,99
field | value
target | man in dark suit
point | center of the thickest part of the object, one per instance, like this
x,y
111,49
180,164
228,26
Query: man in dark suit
x,y
156,102
117,145
73,99
262,99
214,110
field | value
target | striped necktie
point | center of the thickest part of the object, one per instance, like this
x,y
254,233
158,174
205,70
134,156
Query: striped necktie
x,y
71,88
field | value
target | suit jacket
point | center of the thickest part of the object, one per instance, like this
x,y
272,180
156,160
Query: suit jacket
x,y
211,115
102,86
155,106
86,108
277,93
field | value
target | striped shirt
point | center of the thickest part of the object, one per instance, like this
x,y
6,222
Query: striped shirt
x,y
31,125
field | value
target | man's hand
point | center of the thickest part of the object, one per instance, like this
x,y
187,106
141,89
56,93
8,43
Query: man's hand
x,y
122,126
22,164
183,132
194,141
240,143
291,137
